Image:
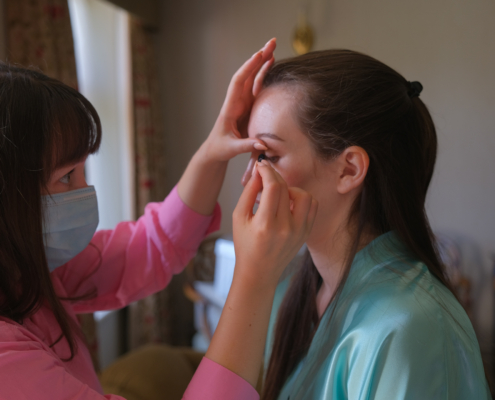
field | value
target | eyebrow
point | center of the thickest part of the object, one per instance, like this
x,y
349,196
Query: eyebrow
x,y
269,136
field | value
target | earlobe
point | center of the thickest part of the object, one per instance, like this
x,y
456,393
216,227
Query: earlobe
x,y
354,167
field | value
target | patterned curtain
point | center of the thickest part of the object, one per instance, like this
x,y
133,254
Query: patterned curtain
x,y
150,318
39,34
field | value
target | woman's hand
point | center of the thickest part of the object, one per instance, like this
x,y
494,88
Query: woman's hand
x,y
228,137
203,178
265,243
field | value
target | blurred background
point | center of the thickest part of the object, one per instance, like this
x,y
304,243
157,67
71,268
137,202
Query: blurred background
x,y
157,72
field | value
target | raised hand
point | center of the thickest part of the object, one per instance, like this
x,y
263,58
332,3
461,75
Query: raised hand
x,y
203,178
268,240
228,137
264,242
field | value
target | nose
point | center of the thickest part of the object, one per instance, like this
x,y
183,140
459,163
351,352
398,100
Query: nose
x,y
79,177
247,174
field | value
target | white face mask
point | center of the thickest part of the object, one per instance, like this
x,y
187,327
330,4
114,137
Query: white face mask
x,y
70,221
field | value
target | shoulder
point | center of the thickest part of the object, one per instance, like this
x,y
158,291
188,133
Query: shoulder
x,y
15,337
408,294
409,312
404,326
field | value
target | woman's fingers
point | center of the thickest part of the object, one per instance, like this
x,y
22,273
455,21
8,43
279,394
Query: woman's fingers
x,y
236,87
236,145
260,76
284,204
266,62
246,202
301,203
304,208
268,49
247,174
274,192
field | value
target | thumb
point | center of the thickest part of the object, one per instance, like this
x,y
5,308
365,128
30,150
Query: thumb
x,y
239,146
248,197
301,204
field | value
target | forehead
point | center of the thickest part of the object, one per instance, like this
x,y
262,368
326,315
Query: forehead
x,y
274,112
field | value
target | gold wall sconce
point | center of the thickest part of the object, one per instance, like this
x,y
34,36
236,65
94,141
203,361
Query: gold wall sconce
x,y
303,38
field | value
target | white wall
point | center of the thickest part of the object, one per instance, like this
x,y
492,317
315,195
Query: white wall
x,y
448,45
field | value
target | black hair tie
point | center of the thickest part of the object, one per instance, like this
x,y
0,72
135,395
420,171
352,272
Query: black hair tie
x,y
414,89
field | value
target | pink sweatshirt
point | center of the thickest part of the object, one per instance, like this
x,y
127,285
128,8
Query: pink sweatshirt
x,y
128,263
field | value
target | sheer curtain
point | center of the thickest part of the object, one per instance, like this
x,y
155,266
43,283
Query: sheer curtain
x,y
102,47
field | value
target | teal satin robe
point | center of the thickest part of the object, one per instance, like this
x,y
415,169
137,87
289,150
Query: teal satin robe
x,y
396,333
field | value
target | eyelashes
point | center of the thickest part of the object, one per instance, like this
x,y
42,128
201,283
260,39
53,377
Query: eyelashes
x,y
263,156
66,178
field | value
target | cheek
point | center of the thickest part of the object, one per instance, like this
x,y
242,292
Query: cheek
x,y
294,174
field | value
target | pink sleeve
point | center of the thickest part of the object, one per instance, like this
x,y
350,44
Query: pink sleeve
x,y
137,258
30,370
214,382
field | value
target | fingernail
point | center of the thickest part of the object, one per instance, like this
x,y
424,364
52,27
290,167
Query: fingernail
x,y
259,146
255,54
254,171
264,162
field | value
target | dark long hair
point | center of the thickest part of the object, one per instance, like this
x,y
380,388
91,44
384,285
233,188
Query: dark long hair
x,y
44,125
348,99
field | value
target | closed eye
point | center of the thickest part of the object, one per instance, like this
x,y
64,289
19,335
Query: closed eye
x,y
272,159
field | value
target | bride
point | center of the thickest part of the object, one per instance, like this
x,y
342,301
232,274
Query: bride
x,y
371,313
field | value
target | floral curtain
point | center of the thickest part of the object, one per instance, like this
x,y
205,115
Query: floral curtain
x,y
150,318
39,35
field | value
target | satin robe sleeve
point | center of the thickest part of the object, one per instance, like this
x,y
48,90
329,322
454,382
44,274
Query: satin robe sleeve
x,y
137,258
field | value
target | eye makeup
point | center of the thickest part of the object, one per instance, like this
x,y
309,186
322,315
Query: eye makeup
x,y
272,160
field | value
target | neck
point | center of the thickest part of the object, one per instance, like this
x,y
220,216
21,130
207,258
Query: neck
x,y
329,252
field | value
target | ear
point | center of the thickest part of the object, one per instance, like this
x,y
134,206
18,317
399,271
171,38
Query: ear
x,y
353,167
